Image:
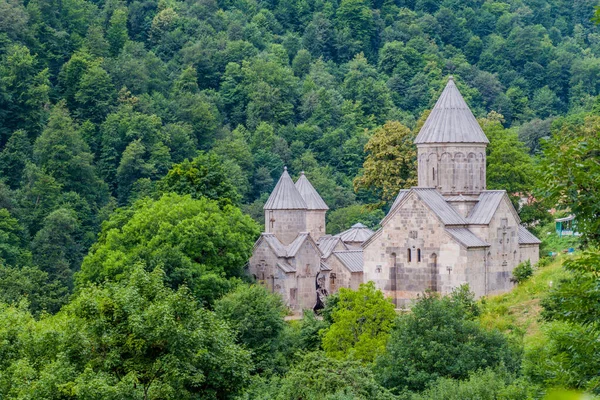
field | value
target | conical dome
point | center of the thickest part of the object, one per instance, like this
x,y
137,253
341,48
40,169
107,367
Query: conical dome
x,y
451,120
285,196
311,197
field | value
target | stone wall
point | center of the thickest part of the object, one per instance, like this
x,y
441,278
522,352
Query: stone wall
x,y
453,169
263,267
343,277
529,252
285,224
503,254
297,289
315,223
405,257
308,264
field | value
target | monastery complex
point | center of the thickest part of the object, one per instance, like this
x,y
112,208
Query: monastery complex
x,y
447,231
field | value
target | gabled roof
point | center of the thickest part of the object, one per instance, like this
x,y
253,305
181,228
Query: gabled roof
x,y
285,266
433,200
486,207
327,244
285,196
401,194
436,202
293,247
351,259
526,237
357,233
451,120
325,267
311,197
467,238
274,243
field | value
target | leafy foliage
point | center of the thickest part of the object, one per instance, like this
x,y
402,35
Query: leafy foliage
x,y
135,339
570,170
319,377
523,271
362,320
438,339
204,176
257,317
391,161
195,241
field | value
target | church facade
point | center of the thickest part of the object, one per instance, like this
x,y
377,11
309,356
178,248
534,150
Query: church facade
x,y
447,231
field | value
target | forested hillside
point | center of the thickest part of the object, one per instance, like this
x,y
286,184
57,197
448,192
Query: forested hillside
x,y
139,141
99,100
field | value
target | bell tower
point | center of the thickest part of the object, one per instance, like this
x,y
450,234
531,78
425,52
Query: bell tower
x,y
451,147
285,210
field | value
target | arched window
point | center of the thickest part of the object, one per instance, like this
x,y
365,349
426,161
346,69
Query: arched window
x,y
433,173
408,255
418,255
392,260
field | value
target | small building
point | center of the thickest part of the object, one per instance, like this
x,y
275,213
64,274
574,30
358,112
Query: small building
x,y
566,226
356,235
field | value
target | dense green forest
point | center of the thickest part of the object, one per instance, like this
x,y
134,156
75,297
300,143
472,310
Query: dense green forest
x,y
140,139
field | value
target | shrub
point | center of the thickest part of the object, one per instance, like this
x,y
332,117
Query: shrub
x,y
522,272
439,340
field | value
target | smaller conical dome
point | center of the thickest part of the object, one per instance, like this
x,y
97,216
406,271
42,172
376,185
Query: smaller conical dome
x,y
310,195
285,196
451,120
357,233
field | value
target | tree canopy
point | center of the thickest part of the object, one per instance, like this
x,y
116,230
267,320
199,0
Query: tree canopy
x,y
195,242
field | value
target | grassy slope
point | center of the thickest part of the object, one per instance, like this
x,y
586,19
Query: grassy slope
x,y
518,311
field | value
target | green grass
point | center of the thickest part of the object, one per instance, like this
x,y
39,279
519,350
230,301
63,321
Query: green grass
x,y
518,311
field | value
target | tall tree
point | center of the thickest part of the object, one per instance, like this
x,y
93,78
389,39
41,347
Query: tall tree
x,y
204,176
61,152
196,242
257,317
24,92
391,160
509,165
56,247
116,33
17,152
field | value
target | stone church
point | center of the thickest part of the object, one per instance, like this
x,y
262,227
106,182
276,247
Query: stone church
x,y
447,231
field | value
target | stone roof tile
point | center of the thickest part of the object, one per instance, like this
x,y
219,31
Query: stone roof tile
x,y
466,237
526,237
285,196
436,202
311,197
351,259
451,120
357,233
486,207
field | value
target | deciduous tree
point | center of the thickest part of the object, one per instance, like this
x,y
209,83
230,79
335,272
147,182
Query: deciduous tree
x,y
391,160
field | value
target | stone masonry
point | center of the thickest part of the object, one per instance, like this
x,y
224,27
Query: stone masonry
x,y
446,232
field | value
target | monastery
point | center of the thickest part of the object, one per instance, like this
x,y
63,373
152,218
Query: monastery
x,y
447,231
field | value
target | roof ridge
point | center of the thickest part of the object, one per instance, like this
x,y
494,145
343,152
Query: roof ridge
x,y
309,194
451,120
455,218
285,195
